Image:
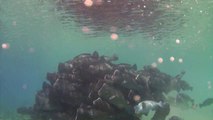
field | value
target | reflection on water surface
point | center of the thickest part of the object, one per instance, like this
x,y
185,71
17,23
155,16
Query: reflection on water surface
x,y
153,18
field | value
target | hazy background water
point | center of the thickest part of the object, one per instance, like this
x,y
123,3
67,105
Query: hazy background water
x,y
41,33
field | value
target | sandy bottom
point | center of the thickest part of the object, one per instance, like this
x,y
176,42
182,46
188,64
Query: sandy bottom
x,y
190,114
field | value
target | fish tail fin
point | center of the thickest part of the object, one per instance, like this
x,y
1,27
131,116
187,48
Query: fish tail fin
x,y
160,104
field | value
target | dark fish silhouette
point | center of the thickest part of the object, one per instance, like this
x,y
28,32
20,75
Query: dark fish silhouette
x,y
206,102
91,87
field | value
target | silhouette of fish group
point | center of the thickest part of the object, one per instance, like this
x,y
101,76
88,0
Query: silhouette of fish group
x,y
92,87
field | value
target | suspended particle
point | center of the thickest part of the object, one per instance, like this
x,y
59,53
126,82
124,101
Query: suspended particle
x,y
177,41
85,29
180,60
209,87
154,65
88,3
5,46
114,36
168,6
172,59
160,60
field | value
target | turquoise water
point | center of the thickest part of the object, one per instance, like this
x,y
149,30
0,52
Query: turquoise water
x,y
36,35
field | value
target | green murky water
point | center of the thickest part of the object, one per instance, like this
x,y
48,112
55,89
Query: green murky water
x,y
35,35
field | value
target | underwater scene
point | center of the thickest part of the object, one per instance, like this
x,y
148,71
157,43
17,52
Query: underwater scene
x,y
106,59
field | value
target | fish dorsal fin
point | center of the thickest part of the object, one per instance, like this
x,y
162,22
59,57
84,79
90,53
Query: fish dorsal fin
x,y
134,67
95,54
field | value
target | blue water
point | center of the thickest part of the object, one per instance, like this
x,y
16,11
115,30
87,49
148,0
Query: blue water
x,y
39,35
